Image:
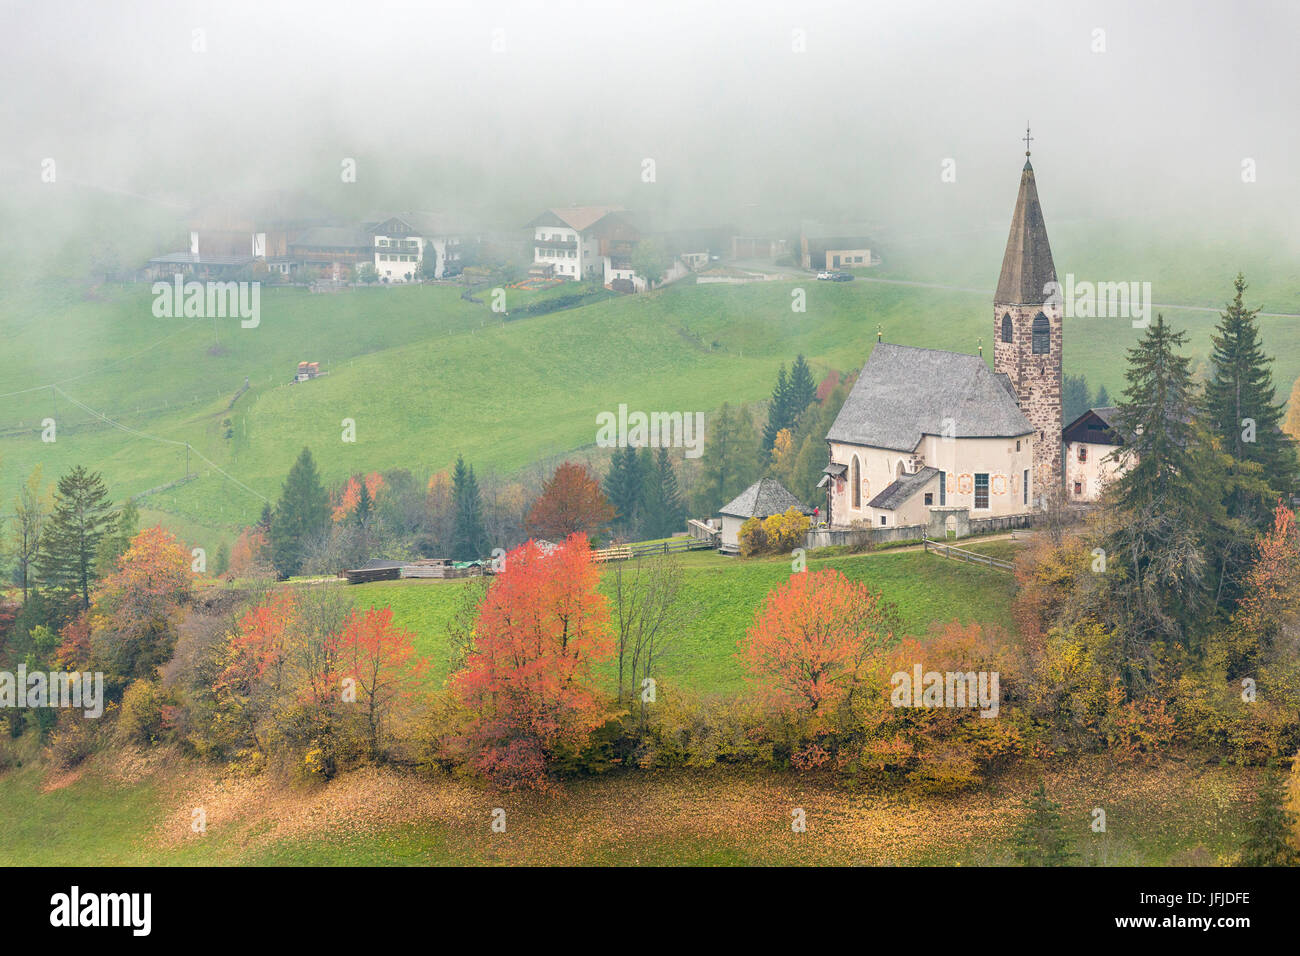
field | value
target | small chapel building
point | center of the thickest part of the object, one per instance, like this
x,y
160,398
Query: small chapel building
x,y
927,428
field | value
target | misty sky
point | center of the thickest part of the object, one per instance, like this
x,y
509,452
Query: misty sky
x,y
739,124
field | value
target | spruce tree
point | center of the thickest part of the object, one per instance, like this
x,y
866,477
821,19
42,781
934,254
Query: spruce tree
x,y
1039,839
1164,498
624,487
1103,398
1272,834
733,459
71,537
778,410
1075,397
1239,407
665,513
301,516
469,540
802,389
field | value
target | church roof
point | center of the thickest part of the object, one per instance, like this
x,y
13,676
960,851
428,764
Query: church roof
x,y
762,499
906,392
1027,265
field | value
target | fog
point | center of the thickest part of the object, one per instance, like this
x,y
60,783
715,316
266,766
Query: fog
x,y
755,113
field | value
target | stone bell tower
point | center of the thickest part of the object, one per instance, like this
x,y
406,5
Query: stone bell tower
x,y
1027,331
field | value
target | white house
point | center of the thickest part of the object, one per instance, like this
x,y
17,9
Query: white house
x,y
582,242
1093,454
403,243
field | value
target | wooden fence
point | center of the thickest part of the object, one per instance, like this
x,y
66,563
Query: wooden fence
x,y
627,552
971,557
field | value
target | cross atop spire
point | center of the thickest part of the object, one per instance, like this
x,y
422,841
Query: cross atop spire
x,y
1028,138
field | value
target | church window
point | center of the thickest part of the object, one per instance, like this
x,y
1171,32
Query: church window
x,y
943,488
857,484
882,519
981,490
1042,335
929,497
1025,482
1006,327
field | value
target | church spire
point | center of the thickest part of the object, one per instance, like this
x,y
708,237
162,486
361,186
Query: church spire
x,y
1027,266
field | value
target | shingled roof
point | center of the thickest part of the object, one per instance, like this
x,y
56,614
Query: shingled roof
x,y
762,499
897,492
1027,266
906,392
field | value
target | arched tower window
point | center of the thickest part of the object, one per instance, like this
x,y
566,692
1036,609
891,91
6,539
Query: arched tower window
x,y
857,484
1006,327
1042,335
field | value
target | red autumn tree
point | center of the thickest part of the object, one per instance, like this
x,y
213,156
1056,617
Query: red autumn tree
x,y
136,609
378,656
571,503
527,683
812,639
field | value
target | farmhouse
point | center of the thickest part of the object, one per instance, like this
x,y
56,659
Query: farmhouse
x,y
583,242
928,429
1092,458
403,243
762,499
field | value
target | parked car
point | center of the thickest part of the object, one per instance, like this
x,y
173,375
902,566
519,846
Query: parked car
x,y
825,275
842,277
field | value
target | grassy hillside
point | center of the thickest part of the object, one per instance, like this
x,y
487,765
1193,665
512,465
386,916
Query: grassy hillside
x,y
128,809
426,375
725,593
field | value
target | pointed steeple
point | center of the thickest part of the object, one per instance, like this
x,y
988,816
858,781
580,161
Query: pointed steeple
x,y
1027,266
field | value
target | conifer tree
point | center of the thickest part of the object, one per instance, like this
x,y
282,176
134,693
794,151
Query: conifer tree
x,y
1039,838
802,389
624,487
732,458
469,540
1163,498
1271,840
665,513
70,539
778,410
1239,407
301,517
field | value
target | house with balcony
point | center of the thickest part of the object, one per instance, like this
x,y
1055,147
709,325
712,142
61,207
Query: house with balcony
x,y
579,242
403,244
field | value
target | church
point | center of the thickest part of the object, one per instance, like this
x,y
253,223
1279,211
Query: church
x,y
926,428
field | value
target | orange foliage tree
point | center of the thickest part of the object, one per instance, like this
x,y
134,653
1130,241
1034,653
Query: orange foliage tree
x,y
812,639
527,683
1272,589
571,503
378,656
136,609
352,494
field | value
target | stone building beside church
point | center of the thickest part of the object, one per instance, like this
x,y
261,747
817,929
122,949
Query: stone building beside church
x,y
926,429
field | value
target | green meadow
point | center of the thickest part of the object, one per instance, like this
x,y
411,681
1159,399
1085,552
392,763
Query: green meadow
x,y
722,595
425,375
